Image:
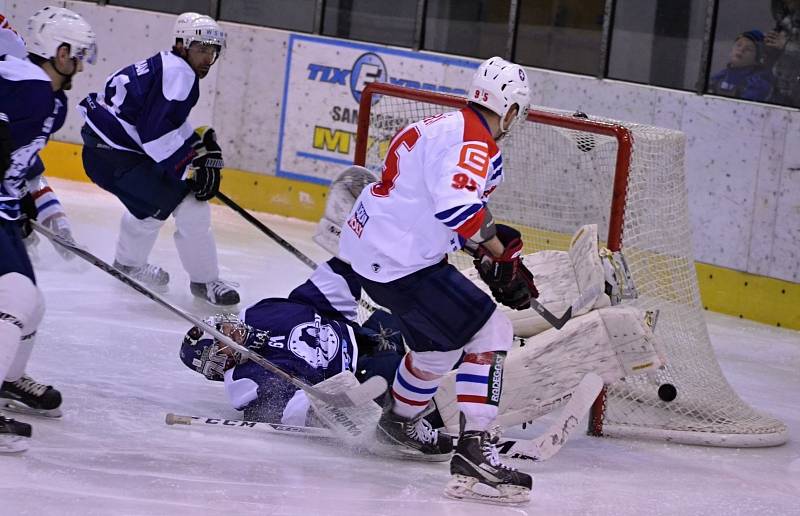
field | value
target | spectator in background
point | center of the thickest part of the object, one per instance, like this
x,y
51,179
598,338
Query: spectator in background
x,y
783,49
745,75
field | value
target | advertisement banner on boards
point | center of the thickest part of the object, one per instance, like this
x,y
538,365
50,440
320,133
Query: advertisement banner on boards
x,y
323,83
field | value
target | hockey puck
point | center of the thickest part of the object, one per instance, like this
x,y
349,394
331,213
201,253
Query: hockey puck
x,y
667,392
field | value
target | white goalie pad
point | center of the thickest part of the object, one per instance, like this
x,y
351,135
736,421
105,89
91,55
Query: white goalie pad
x,y
561,277
343,192
613,342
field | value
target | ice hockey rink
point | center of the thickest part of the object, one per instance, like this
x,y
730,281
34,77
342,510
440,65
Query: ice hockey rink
x,y
114,355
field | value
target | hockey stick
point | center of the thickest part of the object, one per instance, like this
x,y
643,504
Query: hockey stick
x,y
356,396
537,449
548,444
559,322
264,229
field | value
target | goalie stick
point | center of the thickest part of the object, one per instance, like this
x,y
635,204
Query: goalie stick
x,y
352,397
536,449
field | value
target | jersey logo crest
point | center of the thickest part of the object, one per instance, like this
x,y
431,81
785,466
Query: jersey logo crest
x,y
316,344
474,158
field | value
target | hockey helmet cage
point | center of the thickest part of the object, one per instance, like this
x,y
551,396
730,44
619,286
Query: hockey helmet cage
x,y
498,85
51,27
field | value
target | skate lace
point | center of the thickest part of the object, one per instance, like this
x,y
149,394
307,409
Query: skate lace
x,y
220,287
489,448
422,431
31,386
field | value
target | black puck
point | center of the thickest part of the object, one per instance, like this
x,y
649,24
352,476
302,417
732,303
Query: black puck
x,y
667,392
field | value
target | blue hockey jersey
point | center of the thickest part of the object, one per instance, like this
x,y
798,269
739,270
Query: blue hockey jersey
x,y
311,335
34,112
144,109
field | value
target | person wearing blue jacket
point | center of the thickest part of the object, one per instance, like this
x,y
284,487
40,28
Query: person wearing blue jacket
x,y
745,76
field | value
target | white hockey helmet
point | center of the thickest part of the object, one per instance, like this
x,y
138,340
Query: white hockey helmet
x,y
182,24
191,27
51,27
499,85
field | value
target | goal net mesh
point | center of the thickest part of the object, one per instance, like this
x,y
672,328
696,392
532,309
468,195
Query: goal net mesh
x,y
558,178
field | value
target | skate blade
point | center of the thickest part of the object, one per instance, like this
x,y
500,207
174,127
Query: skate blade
x,y
399,451
469,489
202,301
13,444
21,408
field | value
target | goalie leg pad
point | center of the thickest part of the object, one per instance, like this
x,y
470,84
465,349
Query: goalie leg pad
x,y
612,342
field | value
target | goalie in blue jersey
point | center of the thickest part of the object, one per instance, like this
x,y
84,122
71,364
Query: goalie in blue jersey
x,y
311,334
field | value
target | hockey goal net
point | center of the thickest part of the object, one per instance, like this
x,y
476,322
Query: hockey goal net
x,y
561,172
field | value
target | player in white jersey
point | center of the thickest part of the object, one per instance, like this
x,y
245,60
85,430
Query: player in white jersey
x,y
431,200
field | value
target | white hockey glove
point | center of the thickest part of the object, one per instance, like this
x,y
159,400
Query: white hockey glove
x,y
344,191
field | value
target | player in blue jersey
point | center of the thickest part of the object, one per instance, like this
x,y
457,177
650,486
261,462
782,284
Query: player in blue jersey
x,y
312,334
139,145
50,212
30,107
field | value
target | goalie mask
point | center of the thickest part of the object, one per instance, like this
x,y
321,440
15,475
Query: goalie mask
x,y
498,86
205,355
51,27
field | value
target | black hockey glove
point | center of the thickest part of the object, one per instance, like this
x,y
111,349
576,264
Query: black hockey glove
x,y
509,280
208,165
204,181
5,146
28,212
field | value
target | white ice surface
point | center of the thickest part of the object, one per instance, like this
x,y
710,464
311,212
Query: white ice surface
x,y
114,356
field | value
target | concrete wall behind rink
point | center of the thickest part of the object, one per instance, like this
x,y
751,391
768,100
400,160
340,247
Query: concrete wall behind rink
x,y
284,104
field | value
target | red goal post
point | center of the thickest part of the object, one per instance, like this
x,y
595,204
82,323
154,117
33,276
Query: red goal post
x,y
563,171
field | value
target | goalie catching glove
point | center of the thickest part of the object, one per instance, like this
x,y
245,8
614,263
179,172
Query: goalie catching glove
x,y
204,180
509,280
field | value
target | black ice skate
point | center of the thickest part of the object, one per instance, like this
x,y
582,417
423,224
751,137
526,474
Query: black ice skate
x,y
151,276
28,396
413,438
479,476
14,435
217,293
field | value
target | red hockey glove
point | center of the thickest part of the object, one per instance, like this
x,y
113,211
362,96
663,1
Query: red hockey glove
x,y
509,280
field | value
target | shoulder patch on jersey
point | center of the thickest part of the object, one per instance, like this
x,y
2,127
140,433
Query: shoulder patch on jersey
x,y
474,158
15,69
177,79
